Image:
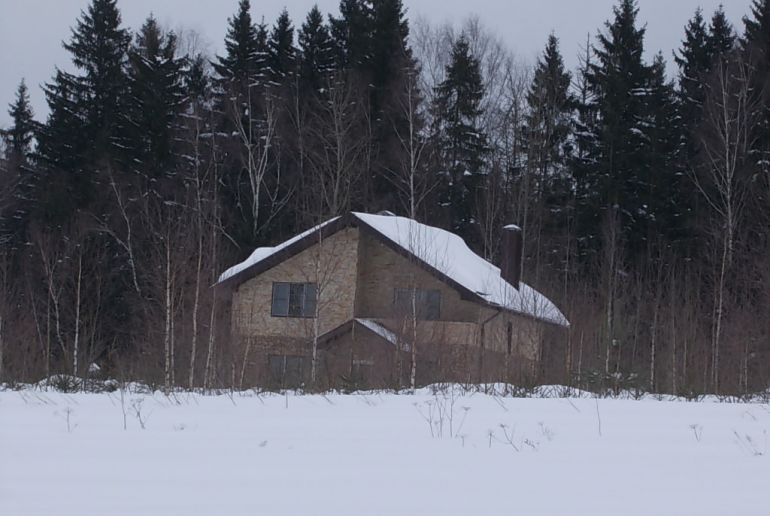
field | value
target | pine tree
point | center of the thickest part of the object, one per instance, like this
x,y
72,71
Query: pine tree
x,y
282,56
156,98
460,141
316,51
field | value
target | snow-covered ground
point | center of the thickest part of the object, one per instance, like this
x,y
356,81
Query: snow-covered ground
x,y
373,454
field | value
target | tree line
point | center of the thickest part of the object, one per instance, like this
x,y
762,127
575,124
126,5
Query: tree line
x,y
644,201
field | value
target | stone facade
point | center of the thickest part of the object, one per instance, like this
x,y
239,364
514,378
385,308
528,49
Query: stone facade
x,y
357,275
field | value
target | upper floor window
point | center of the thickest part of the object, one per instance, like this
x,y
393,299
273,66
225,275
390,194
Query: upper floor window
x,y
426,304
294,299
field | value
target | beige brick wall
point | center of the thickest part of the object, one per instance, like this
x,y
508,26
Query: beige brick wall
x,y
381,270
357,275
332,266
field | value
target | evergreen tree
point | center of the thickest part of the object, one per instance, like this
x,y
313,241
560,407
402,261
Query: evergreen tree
x,y
391,57
756,43
460,141
549,125
721,38
757,29
241,61
694,62
550,104
19,177
156,97
391,65
86,109
619,82
667,200
282,57
316,50
352,34
18,139
99,48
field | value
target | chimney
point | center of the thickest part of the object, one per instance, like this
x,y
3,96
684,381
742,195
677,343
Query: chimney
x,y
510,263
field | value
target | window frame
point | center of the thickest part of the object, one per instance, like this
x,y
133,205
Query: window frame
x,y
307,307
423,298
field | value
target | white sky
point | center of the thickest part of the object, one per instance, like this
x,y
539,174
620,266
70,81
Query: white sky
x,y
31,31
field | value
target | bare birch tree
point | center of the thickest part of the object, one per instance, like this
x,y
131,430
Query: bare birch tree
x,y
731,112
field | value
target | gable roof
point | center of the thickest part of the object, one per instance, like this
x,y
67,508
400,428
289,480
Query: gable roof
x,y
443,254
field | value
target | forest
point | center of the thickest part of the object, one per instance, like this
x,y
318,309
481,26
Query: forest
x,y
644,199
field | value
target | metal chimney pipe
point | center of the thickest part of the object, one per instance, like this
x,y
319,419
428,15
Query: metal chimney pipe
x,y
510,262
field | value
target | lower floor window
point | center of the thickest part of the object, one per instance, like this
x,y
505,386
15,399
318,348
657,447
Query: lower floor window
x,y
287,370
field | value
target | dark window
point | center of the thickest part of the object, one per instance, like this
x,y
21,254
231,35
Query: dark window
x,y
426,302
509,336
294,300
287,370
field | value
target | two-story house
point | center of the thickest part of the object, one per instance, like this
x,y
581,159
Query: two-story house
x,y
370,300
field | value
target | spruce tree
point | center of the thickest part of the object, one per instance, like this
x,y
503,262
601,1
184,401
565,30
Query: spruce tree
x,y
694,62
86,108
391,57
756,45
757,29
549,125
316,51
18,138
241,61
352,34
721,38
619,82
19,176
156,98
667,199
99,48
282,56
551,105
460,141
390,66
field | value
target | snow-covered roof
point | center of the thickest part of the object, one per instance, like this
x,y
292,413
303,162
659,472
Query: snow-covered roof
x,y
449,254
260,253
383,332
445,252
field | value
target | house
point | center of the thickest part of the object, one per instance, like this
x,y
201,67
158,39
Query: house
x,y
359,299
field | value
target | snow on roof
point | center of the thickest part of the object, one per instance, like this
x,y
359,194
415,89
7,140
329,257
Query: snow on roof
x,y
445,252
263,252
383,332
449,254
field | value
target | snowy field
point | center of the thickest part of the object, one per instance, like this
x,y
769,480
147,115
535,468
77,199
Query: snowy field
x,y
191,455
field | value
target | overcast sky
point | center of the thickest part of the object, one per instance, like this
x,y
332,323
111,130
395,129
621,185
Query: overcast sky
x,y
31,31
